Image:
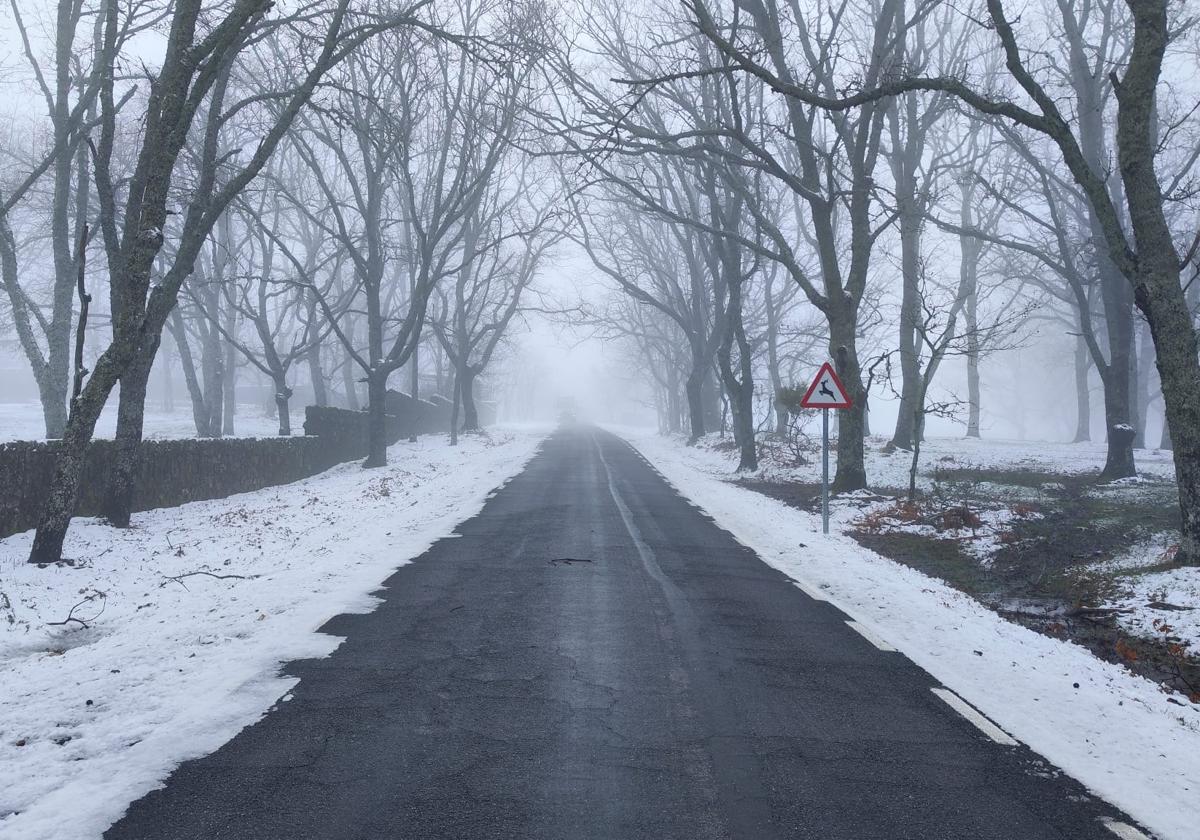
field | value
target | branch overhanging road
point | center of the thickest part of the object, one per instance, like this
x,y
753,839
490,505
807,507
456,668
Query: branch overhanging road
x,y
591,657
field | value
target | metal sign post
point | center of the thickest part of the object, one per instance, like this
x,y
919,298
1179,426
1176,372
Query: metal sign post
x,y
825,392
825,471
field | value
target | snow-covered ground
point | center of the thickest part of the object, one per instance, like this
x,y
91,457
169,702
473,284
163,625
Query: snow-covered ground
x,y
1163,605
997,505
186,618
23,421
1119,734
890,469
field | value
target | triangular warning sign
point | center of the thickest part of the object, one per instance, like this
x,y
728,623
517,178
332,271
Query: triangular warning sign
x,y
826,391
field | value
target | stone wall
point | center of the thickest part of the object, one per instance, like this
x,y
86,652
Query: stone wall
x,y
177,471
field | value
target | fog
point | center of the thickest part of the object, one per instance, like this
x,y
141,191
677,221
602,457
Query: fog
x,y
626,214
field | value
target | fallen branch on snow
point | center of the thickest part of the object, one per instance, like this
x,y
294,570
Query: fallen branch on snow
x,y
89,598
179,578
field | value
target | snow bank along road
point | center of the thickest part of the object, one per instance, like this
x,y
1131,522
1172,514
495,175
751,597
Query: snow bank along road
x,y
201,603
592,657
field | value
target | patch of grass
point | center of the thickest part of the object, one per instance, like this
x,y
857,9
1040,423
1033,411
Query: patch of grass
x,y
1033,479
1053,555
937,558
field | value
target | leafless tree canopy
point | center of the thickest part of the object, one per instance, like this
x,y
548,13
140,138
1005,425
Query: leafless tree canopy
x,y
338,199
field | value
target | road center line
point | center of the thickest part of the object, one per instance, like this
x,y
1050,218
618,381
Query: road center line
x,y
970,713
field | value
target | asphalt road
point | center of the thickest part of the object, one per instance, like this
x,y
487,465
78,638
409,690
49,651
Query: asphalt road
x,y
591,657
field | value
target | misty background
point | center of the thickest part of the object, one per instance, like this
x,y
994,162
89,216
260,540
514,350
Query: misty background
x,y
563,348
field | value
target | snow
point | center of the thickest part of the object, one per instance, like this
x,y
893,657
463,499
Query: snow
x,y
1173,588
23,421
1117,733
980,538
890,469
172,667
1157,603
1151,551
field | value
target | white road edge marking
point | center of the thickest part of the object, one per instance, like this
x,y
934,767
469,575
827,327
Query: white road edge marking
x,y
869,636
972,714
811,592
1124,830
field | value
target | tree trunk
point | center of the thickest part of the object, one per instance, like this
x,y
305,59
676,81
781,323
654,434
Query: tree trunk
x,y
1119,459
317,376
58,333
739,385
915,462
454,401
415,372
851,471
710,397
969,269
1143,374
693,389
349,385
1136,387
1157,288
1115,293
910,366
52,391
1117,374
1164,441
773,375
51,374
229,373
673,407
1161,298
229,394
781,419
376,420
742,404
467,395
72,454
439,358
167,383
199,410
1083,393
131,413
283,395
212,366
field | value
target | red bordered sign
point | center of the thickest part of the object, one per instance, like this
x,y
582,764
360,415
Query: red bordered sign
x,y
826,390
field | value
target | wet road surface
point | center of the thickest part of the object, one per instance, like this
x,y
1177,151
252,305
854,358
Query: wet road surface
x,y
592,657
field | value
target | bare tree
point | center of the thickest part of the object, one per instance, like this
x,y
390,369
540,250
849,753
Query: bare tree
x,y
68,87
915,163
661,265
201,47
416,137
940,337
505,241
276,302
1150,261
828,161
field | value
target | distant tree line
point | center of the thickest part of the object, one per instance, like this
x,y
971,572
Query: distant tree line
x,y
327,191
346,195
892,184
